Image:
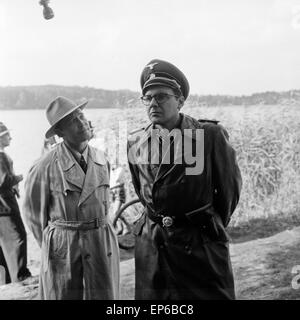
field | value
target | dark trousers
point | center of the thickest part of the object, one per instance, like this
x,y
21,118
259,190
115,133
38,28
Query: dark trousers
x,y
13,243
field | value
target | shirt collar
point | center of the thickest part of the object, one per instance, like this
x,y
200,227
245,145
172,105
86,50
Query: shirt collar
x,y
76,154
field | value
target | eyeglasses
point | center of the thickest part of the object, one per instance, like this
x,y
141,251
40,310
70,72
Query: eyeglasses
x,y
160,98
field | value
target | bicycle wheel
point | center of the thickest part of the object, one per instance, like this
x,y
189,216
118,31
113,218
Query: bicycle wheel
x,y
128,214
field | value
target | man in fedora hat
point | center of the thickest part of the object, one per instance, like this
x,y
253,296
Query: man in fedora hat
x,y
185,173
66,206
13,242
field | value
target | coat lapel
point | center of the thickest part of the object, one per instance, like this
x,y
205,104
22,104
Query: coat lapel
x,y
169,161
181,138
166,166
71,169
96,174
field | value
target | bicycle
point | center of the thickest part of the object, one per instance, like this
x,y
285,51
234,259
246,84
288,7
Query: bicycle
x,y
129,213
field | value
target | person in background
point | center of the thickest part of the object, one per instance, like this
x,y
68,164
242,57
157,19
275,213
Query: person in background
x,y
13,238
66,207
186,175
49,144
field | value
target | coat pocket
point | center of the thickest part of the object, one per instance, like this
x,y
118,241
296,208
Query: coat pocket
x,y
45,250
58,244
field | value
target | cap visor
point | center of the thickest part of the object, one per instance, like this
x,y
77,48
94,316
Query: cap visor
x,y
159,82
4,132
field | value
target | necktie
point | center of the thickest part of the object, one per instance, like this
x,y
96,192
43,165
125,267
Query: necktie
x,y
83,164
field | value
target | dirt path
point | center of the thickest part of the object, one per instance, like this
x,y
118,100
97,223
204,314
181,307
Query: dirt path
x,y
262,268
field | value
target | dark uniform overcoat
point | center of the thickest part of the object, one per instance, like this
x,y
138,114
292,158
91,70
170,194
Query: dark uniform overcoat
x,y
190,259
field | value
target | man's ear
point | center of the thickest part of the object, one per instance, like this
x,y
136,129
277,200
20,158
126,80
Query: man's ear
x,y
180,102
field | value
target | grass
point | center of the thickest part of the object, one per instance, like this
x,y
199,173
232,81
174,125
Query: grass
x,y
257,228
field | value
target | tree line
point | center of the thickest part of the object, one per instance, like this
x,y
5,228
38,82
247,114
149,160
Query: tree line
x,y
38,97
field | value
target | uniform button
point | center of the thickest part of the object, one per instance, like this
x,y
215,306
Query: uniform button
x,y
161,246
87,256
188,249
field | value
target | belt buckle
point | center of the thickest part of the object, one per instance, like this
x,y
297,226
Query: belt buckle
x,y
167,221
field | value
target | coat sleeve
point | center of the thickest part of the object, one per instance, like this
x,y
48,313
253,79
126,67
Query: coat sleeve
x,y
227,180
36,201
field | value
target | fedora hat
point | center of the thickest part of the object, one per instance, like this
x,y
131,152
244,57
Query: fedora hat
x,y
3,129
59,108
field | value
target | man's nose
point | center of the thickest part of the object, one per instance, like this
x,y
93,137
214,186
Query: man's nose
x,y
153,102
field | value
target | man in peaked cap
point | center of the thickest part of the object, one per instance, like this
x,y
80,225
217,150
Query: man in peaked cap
x,y
185,173
66,206
13,242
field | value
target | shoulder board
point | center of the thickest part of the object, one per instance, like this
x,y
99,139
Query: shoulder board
x,y
136,130
207,120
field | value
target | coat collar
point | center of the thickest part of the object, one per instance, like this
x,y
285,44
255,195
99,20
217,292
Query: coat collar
x,y
187,122
95,176
67,160
188,137
70,167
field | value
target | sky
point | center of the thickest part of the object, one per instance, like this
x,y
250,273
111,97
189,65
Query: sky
x,y
230,47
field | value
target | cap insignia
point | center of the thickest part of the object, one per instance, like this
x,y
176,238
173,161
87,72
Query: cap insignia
x,y
151,65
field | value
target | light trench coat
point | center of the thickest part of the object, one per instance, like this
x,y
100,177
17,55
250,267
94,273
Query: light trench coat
x,y
75,263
